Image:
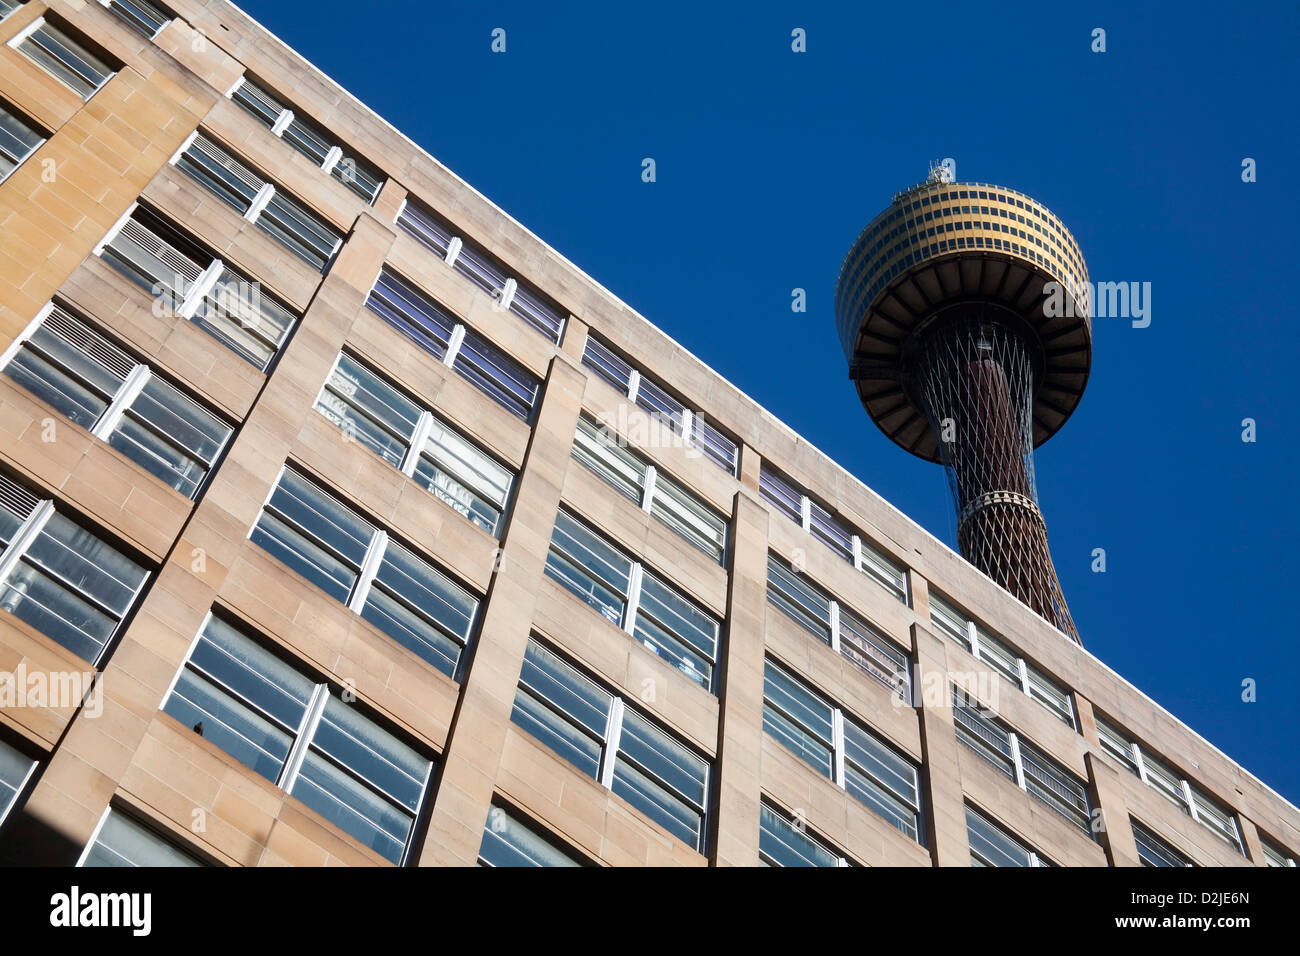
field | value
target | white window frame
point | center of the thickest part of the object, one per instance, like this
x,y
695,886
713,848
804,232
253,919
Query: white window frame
x,y
109,4
16,42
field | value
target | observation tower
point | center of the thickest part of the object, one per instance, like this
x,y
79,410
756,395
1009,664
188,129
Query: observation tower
x,y
942,310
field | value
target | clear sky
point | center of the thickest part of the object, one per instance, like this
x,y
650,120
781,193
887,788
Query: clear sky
x,y
769,163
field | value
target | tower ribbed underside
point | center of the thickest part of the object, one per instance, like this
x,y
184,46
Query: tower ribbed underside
x,y
975,379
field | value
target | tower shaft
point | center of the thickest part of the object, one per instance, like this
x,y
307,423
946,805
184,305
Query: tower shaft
x,y
973,375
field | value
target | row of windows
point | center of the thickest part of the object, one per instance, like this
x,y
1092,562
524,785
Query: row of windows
x,y
55,49
70,366
1022,763
839,748
991,845
375,413
60,578
827,620
436,330
610,457
315,534
1177,790
602,736
197,286
19,138
634,598
259,201
307,138
651,396
966,631
792,501
436,235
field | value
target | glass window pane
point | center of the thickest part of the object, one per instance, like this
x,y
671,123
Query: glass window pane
x,y
123,842
658,803
353,807
300,231
14,768
66,59
781,844
561,735
412,313
509,842
689,517
371,753
369,409
227,657
601,450
565,689
800,600
676,628
497,375
220,173
671,763
230,723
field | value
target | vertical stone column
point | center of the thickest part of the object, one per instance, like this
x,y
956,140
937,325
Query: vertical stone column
x,y
740,732
944,807
468,769
1116,832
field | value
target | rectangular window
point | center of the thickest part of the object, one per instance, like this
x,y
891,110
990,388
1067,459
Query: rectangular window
x,y
510,840
438,332
959,626
1153,851
838,748
606,454
55,50
665,410
295,732
143,16
1274,855
827,620
1020,762
16,768
990,845
121,841
410,438
314,143
781,842
787,497
482,269
1219,821
19,138
609,741
9,6
630,596
198,287
347,557
277,213
83,375
58,577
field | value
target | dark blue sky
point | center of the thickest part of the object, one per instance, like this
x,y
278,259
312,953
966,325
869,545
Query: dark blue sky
x,y
771,162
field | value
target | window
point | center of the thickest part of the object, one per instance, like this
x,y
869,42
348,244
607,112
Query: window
x,y
295,732
1022,763
990,845
508,840
610,458
16,768
782,842
54,50
120,841
962,628
1175,788
278,214
198,287
607,740
70,366
356,563
19,138
482,269
634,598
434,329
143,16
828,621
9,6
306,138
58,577
1273,855
410,438
695,432
835,746
789,499
1153,851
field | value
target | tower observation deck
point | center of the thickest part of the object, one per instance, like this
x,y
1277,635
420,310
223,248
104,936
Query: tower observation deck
x,y
940,311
